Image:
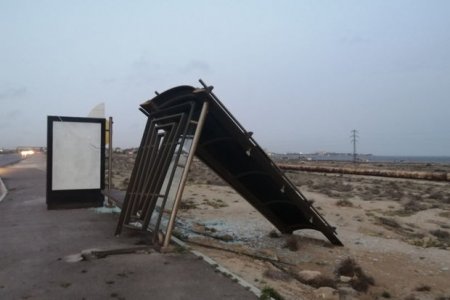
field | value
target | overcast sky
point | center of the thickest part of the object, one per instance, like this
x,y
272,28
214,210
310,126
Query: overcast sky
x,y
299,74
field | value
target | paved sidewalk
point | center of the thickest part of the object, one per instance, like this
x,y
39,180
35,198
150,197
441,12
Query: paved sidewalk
x,y
35,245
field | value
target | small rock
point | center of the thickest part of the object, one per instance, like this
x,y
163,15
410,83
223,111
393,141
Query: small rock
x,y
73,258
199,228
225,237
326,293
308,275
345,279
444,269
269,253
346,291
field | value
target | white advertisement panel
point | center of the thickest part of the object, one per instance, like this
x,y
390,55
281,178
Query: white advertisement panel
x,y
76,156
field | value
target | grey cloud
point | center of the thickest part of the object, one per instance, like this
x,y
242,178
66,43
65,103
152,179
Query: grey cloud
x,y
142,63
10,93
196,65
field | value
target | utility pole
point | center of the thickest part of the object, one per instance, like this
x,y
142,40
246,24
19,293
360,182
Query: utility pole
x,y
354,138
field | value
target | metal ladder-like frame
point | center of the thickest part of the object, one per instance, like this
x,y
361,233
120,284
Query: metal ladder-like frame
x,y
162,145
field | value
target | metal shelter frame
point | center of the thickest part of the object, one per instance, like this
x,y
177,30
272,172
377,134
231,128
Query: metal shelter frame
x,y
186,121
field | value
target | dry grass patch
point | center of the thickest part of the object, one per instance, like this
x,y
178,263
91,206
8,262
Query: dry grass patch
x,y
291,243
389,222
413,206
445,214
360,281
269,293
344,203
188,204
442,235
277,275
423,288
215,203
321,281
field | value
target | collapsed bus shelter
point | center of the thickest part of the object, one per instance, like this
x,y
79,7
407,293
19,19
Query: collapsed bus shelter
x,y
186,121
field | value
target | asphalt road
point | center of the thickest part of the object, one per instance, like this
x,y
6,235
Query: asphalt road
x,y
36,244
8,159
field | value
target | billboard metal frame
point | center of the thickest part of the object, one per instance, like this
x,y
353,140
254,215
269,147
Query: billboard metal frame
x,y
76,197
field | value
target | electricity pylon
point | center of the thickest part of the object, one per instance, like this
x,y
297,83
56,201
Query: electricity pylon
x,y
354,138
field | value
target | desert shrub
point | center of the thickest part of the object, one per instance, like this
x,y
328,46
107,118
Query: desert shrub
x,y
393,192
414,206
360,281
330,193
210,229
277,275
389,222
423,288
215,203
445,214
428,243
441,234
224,237
188,204
440,197
274,234
344,203
322,281
314,187
415,197
392,184
291,243
437,196
375,191
386,294
268,293
347,267
343,187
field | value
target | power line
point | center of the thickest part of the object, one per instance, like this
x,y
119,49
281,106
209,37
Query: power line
x,y
354,139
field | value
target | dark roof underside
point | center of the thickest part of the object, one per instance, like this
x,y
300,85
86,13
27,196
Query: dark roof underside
x,y
228,149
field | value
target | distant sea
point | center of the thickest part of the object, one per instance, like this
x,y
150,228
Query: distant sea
x,y
382,158
360,157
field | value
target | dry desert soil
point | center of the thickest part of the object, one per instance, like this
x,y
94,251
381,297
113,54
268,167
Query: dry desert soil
x,y
396,234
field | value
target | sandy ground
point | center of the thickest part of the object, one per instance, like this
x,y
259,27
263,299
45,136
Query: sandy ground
x,y
396,231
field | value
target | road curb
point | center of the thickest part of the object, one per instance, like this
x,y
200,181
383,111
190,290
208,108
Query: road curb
x,y
245,284
3,190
